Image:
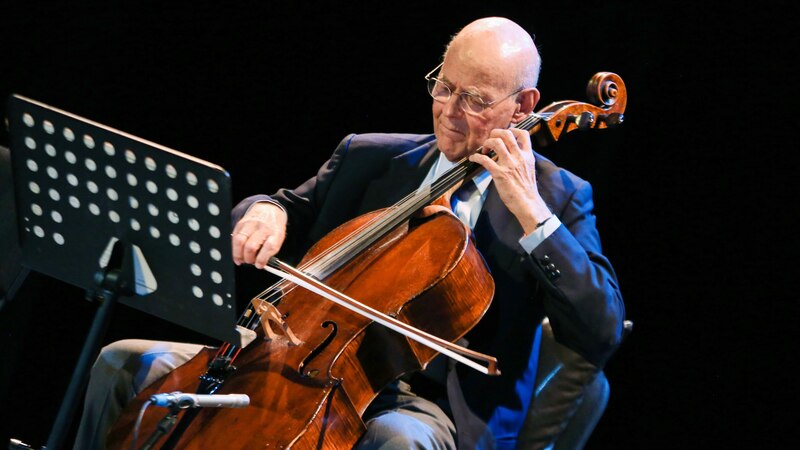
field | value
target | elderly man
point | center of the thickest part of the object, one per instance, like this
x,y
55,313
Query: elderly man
x,y
532,222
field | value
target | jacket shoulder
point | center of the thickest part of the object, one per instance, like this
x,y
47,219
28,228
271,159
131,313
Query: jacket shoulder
x,y
393,143
556,184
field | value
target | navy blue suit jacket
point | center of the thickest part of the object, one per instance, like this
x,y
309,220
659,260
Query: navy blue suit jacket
x,y
566,277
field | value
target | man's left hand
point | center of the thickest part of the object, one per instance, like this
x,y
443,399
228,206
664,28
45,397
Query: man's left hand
x,y
514,174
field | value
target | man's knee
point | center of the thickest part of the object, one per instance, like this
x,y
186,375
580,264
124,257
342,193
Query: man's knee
x,y
119,354
122,369
399,431
140,362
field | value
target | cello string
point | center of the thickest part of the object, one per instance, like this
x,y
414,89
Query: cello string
x,y
327,259
439,186
365,234
331,258
416,199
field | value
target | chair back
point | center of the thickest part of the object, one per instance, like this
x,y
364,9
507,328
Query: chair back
x,y
570,397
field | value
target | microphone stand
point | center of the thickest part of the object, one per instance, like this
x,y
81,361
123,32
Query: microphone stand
x,y
164,425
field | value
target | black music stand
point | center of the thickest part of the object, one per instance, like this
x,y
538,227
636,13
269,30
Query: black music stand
x,y
126,219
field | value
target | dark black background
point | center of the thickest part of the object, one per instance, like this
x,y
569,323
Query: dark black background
x,y
694,192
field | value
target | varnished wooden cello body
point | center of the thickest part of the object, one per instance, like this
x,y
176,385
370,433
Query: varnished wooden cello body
x,y
323,364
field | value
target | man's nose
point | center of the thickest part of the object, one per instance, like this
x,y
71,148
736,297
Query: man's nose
x,y
452,106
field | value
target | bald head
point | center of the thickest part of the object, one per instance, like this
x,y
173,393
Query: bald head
x,y
495,42
493,62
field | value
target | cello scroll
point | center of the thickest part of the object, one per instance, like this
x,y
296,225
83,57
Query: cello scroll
x,y
608,95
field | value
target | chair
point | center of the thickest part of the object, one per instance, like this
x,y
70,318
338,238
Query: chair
x,y
570,397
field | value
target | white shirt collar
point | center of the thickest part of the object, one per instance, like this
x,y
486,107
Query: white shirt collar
x,y
442,165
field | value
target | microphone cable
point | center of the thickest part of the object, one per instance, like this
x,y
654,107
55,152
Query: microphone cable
x,y
138,423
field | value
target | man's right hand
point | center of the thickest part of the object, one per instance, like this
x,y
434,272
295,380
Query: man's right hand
x,y
259,234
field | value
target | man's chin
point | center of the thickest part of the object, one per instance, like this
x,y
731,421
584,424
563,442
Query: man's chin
x,y
453,151
453,156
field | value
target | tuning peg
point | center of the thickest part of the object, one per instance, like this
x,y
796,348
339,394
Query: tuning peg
x,y
612,119
584,121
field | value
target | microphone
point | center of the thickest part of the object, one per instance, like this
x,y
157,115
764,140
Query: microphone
x,y
184,401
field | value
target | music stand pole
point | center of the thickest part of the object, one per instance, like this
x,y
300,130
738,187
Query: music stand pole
x,y
111,283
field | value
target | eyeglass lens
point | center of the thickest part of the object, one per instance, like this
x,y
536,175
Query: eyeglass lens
x,y
441,93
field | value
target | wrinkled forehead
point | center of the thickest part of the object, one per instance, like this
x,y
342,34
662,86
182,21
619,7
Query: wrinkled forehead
x,y
474,71
488,61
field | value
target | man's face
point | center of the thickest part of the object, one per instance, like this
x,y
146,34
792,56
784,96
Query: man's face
x,y
459,133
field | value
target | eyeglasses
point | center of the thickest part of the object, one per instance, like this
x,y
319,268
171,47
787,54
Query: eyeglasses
x,y
468,102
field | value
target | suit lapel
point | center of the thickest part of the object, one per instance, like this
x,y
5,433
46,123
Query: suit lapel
x,y
405,174
497,232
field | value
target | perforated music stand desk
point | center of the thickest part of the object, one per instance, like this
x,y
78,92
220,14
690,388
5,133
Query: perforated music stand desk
x,y
82,186
92,199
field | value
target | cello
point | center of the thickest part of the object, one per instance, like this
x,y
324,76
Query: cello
x,y
320,363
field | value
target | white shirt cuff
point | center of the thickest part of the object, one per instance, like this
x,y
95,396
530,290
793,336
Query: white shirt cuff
x,y
533,240
264,201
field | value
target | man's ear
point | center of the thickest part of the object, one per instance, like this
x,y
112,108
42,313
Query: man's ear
x,y
527,100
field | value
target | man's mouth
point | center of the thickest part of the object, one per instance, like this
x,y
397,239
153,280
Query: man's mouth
x,y
451,130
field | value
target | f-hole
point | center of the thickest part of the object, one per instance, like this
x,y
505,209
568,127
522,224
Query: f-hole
x,y
311,373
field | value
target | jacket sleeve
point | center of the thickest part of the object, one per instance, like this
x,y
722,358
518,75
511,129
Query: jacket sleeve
x,y
302,204
582,298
